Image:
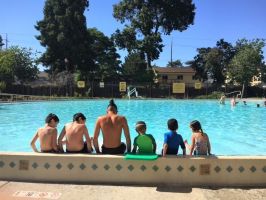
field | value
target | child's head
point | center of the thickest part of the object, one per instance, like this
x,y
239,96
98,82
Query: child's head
x,y
172,124
195,126
141,127
79,117
52,120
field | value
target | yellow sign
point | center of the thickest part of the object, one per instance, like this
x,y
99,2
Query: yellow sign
x,y
81,84
198,86
122,86
178,88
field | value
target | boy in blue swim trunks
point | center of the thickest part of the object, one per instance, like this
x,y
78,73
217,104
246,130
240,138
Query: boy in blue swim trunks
x,y
172,140
144,143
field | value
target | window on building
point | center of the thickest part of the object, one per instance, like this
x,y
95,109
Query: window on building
x,y
165,77
194,77
180,77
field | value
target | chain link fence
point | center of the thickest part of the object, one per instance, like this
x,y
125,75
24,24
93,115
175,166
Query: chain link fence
x,y
144,90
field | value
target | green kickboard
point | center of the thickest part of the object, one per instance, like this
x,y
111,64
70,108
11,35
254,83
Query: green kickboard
x,y
141,157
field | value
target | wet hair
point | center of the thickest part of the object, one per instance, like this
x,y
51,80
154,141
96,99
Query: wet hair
x,y
195,126
77,116
172,124
140,125
112,106
51,116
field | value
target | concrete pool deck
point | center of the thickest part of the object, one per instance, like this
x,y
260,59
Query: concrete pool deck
x,y
27,191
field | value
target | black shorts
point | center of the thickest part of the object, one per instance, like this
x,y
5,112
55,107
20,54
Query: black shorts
x,y
84,150
49,151
170,151
118,150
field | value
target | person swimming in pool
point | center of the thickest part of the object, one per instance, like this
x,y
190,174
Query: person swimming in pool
x,y
233,101
222,100
111,126
74,132
200,140
143,143
47,135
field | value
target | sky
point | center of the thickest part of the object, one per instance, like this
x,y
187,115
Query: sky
x,y
214,20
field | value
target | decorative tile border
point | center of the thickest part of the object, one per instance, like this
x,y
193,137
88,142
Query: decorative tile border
x,y
118,167
114,169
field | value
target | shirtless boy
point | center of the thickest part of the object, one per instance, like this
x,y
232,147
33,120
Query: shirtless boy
x,y
47,135
74,132
111,126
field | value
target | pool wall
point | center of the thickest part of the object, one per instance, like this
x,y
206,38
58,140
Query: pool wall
x,y
226,171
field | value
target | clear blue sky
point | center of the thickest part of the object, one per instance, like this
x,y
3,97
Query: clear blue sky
x,y
215,19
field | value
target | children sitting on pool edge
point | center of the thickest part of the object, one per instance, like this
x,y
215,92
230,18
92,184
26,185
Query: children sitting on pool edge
x,y
74,132
200,144
143,143
47,135
172,140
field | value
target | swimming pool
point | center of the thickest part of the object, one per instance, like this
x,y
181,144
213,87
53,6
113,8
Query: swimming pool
x,y
232,131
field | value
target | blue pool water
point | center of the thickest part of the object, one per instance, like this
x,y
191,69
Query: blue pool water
x,y
232,131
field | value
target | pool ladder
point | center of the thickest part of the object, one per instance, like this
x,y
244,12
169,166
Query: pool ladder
x,y
130,92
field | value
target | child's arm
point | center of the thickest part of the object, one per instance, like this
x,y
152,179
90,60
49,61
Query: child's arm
x,y
192,145
209,145
134,149
34,139
96,135
184,151
88,140
154,144
187,145
165,147
61,136
183,147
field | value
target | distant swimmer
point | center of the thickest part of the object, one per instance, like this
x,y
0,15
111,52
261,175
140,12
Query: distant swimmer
x,y
222,99
233,101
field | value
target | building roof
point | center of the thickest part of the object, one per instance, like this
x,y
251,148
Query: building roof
x,y
174,69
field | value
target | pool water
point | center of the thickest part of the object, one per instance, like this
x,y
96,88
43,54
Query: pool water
x,y
232,131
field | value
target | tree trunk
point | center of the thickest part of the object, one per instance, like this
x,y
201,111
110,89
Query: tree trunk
x,y
243,90
148,61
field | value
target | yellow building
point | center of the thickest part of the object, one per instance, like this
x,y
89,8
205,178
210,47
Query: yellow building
x,y
168,75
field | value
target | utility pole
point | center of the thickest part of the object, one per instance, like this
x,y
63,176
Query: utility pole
x,y
6,41
171,52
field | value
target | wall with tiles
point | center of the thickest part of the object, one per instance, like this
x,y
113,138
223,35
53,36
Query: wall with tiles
x,y
107,169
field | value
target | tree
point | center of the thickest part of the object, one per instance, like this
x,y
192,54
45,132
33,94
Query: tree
x,y
176,63
199,62
106,59
247,62
17,64
1,42
134,69
213,62
263,73
64,34
148,19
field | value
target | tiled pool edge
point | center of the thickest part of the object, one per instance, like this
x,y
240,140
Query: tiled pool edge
x,y
106,169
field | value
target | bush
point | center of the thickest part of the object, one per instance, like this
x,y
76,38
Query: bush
x,y
213,95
